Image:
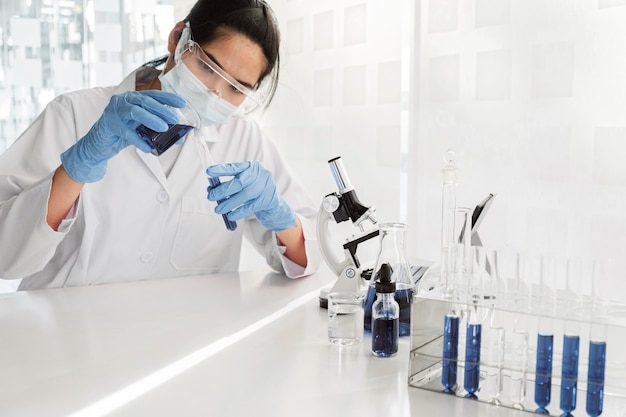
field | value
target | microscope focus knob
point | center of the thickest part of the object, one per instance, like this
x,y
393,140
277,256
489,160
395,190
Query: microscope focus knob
x,y
330,203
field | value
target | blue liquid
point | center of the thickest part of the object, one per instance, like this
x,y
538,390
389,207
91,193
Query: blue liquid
x,y
230,225
450,353
472,359
569,374
543,372
595,378
162,141
385,337
403,297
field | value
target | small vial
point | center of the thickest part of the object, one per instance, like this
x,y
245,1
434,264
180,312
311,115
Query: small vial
x,y
385,316
230,225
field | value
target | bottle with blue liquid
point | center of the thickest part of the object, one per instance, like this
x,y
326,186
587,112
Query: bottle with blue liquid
x,y
392,252
385,315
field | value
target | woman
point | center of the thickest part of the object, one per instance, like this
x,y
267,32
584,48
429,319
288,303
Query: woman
x,y
109,210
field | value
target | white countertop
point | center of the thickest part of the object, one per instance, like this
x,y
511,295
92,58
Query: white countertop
x,y
252,343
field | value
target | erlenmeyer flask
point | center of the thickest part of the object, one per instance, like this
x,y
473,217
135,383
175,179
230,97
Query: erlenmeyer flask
x,y
392,252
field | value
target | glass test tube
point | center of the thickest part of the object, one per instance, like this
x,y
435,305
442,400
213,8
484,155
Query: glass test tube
x,y
495,334
601,278
519,363
569,368
596,370
456,265
473,337
519,336
545,336
571,341
230,225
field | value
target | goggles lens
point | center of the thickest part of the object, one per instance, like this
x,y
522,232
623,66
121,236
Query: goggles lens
x,y
218,81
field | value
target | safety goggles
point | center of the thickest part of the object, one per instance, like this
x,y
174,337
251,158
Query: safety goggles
x,y
218,81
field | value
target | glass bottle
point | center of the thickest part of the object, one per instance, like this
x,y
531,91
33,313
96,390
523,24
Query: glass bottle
x,y
385,316
392,252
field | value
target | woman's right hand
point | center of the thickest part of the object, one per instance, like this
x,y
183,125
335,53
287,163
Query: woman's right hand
x,y
86,160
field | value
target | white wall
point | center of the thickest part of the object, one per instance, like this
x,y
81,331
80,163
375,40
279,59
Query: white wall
x,y
341,94
532,95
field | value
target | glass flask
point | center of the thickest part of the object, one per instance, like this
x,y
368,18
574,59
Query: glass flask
x,y
392,251
437,275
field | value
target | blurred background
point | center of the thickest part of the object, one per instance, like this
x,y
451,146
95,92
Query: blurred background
x,y
531,95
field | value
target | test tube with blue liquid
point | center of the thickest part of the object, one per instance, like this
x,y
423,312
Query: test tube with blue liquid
x,y
475,279
596,370
569,368
571,339
542,295
453,269
601,280
230,225
471,378
543,370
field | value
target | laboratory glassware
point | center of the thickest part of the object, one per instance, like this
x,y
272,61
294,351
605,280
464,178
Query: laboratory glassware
x,y
230,225
162,141
392,240
457,259
496,332
542,296
475,277
437,275
385,315
345,318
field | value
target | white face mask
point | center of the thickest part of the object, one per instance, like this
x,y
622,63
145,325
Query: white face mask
x,y
211,108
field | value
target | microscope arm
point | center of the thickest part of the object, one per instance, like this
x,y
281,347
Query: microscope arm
x,y
335,264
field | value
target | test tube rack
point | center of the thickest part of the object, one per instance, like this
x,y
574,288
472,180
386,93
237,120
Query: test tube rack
x,y
511,380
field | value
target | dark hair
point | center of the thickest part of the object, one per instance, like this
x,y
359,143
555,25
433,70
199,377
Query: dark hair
x,y
212,19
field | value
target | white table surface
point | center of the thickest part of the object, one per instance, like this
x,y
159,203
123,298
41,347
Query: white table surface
x,y
252,343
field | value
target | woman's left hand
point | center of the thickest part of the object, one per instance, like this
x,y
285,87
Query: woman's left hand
x,y
251,191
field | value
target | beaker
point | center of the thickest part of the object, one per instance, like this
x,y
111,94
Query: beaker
x,y
392,251
161,141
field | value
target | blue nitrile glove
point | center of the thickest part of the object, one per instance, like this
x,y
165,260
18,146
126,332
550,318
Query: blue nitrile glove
x,y
86,160
251,191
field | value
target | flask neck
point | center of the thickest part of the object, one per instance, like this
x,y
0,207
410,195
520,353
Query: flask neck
x,y
393,252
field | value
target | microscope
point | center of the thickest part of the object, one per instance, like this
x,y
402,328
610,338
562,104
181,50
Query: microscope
x,y
340,207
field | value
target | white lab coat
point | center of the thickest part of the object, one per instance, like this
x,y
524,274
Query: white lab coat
x,y
135,223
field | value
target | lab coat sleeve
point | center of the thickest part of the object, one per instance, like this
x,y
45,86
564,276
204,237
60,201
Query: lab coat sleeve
x,y
266,242
27,243
294,193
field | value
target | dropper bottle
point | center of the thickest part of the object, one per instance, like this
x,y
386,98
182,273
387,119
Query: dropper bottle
x,y
385,316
